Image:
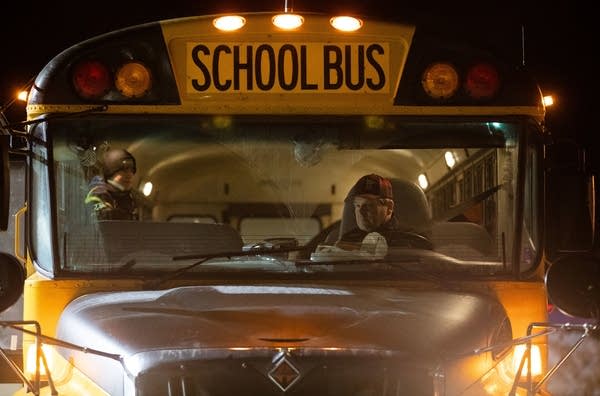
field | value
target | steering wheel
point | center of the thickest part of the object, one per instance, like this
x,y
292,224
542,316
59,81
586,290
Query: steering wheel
x,y
318,239
410,239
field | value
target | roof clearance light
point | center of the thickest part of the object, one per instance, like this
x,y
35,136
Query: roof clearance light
x,y
288,21
133,79
22,96
440,80
346,23
229,23
91,79
482,81
423,182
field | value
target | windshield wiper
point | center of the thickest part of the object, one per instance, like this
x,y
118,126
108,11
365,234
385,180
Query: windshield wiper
x,y
202,258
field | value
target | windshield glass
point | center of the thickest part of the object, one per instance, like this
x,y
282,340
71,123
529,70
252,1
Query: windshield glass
x,y
228,190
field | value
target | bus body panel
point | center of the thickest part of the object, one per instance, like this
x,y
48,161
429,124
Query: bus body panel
x,y
264,131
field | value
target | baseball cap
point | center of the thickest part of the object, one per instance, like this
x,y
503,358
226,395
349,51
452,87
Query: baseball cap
x,y
373,185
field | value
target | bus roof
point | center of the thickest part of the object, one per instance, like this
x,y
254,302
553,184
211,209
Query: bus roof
x,y
192,67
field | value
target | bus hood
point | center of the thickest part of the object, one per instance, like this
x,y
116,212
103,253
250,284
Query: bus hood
x,y
149,328
421,323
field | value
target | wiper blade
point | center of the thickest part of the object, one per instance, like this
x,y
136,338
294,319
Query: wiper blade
x,y
202,258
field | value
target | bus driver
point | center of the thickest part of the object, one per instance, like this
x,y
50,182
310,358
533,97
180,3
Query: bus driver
x,y
110,196
372,198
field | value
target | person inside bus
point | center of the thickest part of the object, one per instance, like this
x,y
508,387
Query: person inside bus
x,y
373,206
110,196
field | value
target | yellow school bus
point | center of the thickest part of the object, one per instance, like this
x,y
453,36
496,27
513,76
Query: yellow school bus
x,y
247,133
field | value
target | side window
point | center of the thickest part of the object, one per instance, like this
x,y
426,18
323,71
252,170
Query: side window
x,y
531,232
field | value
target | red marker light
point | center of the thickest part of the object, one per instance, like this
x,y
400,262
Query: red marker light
x,y
482,81
91,79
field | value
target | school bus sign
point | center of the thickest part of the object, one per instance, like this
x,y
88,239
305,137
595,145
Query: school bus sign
x,y
287,67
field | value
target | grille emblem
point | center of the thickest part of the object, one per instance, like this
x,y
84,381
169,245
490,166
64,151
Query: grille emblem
x,y
284,374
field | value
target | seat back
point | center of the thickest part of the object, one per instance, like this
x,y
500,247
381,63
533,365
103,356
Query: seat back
x,y
461,239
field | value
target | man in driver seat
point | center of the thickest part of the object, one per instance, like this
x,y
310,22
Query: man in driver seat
x,y
372,199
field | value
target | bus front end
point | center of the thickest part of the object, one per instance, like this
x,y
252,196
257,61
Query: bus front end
x,y
244,145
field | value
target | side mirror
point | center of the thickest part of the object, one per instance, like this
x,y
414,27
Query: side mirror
x,y
12,280
570,205
573,285
4,181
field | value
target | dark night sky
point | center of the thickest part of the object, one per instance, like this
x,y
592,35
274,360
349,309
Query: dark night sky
x,y
559,45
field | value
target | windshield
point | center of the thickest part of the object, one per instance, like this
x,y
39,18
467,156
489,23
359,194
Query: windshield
x,y
228,190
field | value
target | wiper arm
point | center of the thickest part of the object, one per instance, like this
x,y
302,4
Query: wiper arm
x,y
202,258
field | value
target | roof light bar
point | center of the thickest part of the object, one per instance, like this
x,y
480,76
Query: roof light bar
x,y
346,23
229,23
288,21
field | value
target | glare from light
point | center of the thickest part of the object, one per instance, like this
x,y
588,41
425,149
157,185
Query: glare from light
x,y
147,189
22,96
229,23
346,23
31,355
288,21
548,100
536,360
423,182
450,159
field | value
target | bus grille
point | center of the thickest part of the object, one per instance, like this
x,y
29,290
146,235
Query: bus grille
x,y
333,377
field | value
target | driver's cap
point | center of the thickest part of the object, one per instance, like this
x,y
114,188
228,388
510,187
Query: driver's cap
x,y
374,185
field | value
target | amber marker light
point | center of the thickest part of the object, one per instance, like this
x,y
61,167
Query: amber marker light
x,y
22,96
440,80
346,23
229,23
288,21
133,79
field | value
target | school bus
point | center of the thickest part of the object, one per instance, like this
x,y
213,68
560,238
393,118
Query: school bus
x,y
248,132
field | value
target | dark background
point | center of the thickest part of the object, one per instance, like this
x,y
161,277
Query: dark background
x,y
559,44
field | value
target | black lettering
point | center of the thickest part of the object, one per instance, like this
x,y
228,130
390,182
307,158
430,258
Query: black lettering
x,y
270,65
361,67
238,65
205,72
332,81
304,84
218,84
373,62
287,48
